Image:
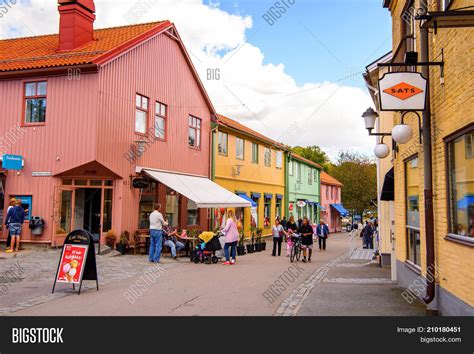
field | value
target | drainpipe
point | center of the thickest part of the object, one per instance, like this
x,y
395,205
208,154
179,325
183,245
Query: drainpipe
x,y
428,168
287,187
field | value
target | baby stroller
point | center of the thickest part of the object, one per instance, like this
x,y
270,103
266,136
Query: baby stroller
x,y
205,251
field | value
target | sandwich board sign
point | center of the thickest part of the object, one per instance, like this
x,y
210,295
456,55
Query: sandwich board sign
x,y
77,261
402,91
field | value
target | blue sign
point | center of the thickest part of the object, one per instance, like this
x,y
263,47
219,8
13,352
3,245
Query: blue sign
x,y
12,162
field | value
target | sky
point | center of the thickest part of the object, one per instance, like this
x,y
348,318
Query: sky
x,y
294,75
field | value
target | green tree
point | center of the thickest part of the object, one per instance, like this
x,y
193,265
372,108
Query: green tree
x,y
315,154
358,174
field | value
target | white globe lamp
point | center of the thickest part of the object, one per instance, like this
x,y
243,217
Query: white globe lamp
x,y
381,151
402,133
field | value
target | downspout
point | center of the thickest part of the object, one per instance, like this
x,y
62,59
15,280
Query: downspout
x,y
214,128
287,181
428,168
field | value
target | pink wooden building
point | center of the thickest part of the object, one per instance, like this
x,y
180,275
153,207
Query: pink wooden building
x,y
91,110
332,209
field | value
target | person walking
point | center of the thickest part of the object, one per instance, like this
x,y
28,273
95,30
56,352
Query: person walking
x,y
157,222
368,236
322,231
14,221
9,237
279,234
231,238
306,232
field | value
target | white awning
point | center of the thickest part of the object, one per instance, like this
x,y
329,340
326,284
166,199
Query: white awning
x,y
201,190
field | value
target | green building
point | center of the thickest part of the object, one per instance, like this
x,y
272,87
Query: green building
x,y
303,188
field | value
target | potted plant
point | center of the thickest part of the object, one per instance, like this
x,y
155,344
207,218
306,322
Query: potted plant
x,y
241,246
250,247
110,239
122,245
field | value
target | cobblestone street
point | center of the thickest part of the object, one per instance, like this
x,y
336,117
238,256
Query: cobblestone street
x,y
339,281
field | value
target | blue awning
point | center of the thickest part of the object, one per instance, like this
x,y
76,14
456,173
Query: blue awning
x,y
244,196
268,196
256,195
279,196
340,209
466,202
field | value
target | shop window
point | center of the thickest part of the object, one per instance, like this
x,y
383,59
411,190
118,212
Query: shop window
x,y
222,143
267,157
194,132
109,183
107,211
64,226
148,198
267,211
412,191
35,102
254,212
172,208
193,213
240,215
254,153
461,185
67,182
278,207
279,159
141,114
160,120
239,148
96,183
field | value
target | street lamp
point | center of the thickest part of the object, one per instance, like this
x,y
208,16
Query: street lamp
x,y
402,133
381,150
369,118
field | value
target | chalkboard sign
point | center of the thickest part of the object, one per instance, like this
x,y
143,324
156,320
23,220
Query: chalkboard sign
x,y
77,261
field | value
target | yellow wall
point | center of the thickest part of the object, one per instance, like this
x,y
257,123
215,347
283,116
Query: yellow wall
x,y
452,105
256,178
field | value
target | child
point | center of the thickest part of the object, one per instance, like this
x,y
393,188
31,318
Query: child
x,y
289,242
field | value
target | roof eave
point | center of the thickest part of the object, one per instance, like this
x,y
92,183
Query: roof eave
x,y
50,71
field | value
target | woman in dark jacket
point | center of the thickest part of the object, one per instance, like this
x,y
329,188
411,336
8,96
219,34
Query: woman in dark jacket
x,y
291,225
306,232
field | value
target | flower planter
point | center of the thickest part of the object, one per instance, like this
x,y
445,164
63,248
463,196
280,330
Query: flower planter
x,y
258,247
250,248
240,250
121,247
263,245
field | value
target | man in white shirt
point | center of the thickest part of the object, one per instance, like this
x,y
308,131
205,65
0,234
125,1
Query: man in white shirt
x,y
156,234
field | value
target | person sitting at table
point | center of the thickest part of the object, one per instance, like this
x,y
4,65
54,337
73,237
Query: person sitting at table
x,y
171,240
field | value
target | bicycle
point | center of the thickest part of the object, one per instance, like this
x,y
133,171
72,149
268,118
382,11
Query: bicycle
x,y
296,249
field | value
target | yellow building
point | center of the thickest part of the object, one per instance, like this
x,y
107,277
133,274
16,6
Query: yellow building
x,y
452,132
385,204
252,166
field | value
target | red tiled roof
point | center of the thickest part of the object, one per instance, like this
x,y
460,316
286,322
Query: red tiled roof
x,y
305,160
328,179
227,122
42,51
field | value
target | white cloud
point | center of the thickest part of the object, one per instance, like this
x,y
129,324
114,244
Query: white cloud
x,y
263,96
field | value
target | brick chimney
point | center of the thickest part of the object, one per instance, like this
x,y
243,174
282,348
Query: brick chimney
x,y
76,23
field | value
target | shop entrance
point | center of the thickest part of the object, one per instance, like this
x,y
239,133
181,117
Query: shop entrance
x,y
87,208
84,204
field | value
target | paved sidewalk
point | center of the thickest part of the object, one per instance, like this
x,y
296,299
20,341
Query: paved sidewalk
x,y
355,286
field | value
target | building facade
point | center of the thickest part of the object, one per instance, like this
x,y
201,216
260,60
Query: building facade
x,y
451,101
303,186
89,111
331,206
252,166
385,203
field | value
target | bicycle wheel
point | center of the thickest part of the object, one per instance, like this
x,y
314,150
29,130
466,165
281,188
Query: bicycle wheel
x,y
298,253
